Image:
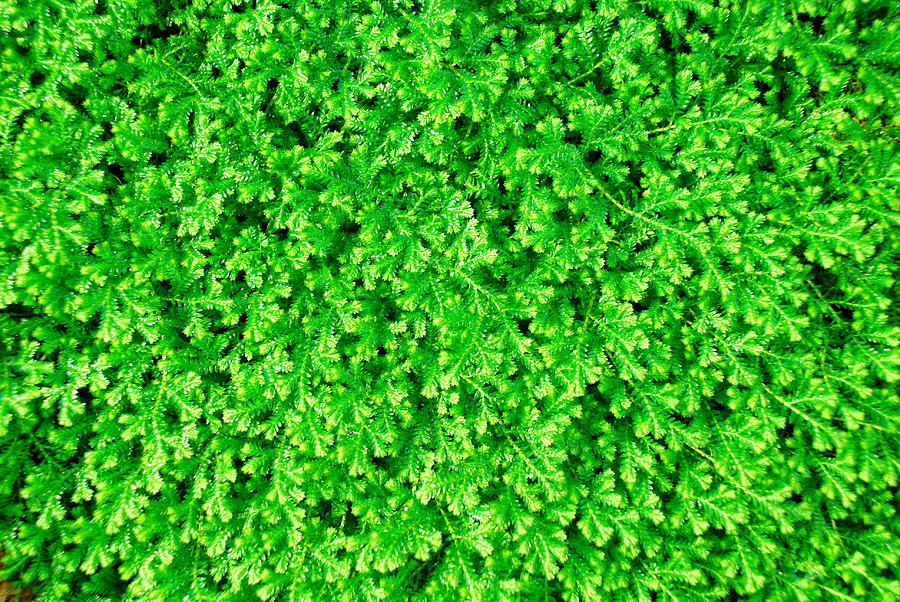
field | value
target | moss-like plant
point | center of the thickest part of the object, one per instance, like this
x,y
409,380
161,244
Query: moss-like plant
x,y
443,300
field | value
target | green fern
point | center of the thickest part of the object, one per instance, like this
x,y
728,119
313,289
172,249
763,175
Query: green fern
x,y
544,299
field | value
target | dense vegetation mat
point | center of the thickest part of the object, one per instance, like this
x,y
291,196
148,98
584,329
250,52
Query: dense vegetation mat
x,y
507,300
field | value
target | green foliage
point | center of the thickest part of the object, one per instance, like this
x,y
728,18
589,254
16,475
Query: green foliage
x,y
433,300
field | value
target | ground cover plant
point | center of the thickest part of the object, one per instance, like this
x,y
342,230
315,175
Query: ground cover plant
x,y
513,300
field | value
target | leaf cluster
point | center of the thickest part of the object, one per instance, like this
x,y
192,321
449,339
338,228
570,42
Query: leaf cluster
x,y
441,300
